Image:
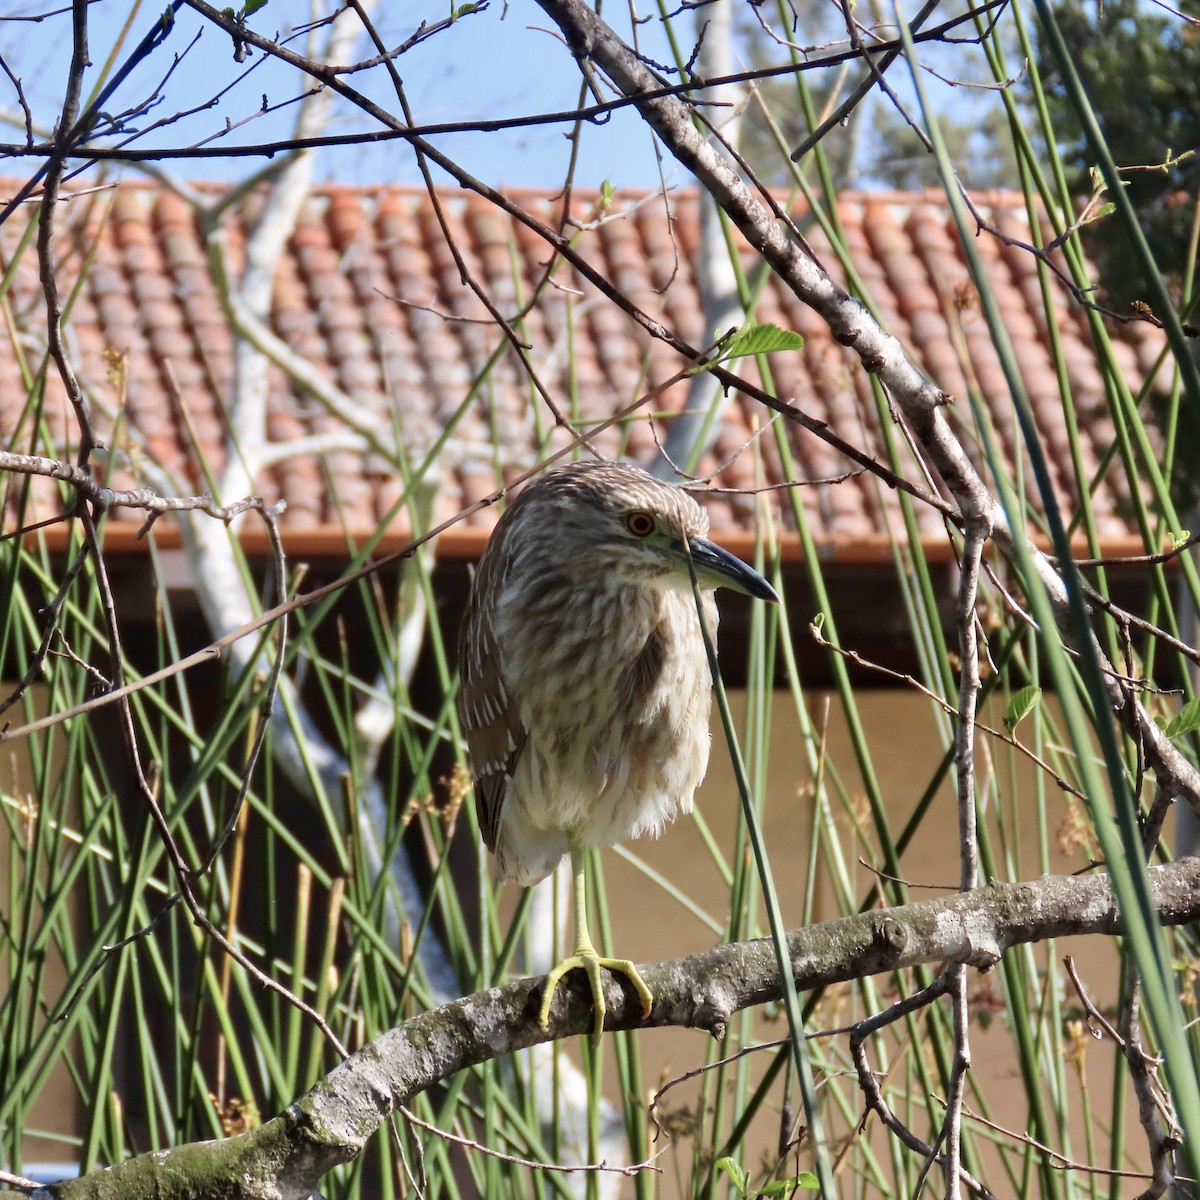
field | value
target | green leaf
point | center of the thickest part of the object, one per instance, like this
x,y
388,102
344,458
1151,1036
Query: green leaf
x,y
784,1187
759,339
752,339
1185,721
252,6
775,1191
607,191
1180,539
731,1168
1021,705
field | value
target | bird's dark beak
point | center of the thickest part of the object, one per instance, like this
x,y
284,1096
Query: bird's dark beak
x,y
720,568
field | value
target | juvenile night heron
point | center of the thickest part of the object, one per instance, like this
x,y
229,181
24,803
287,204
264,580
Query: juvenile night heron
x,y
585,684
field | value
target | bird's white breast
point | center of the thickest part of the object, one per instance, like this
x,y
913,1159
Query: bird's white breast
x,y
606,757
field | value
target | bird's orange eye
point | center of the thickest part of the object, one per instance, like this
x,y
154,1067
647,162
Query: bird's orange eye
x,y
640,524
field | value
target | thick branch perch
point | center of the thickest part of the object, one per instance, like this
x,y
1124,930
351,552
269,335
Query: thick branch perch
x,y
286,1158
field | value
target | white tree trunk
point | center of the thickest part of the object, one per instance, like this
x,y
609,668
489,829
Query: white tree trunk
x,y
691,434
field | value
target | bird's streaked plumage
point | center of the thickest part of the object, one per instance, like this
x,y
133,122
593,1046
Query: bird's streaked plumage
x,y
585,689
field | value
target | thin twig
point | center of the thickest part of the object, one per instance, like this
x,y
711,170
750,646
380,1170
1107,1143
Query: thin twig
x,y
26,114
852,28
711,1066
105,499
1007,738
860,93
561,1168
907,883
968,837
1044,255
870,1085
50,612
1060,1161
1155,1112
1128,619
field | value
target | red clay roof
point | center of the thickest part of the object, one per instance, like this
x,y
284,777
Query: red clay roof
x,y
147,293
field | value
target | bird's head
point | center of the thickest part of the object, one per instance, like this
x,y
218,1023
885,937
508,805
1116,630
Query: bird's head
x,y
613,524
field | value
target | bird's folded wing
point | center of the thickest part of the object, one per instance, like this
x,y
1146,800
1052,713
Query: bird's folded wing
x,y
490,718
495,737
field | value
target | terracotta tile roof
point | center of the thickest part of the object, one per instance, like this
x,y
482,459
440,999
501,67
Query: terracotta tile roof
x,y
132,263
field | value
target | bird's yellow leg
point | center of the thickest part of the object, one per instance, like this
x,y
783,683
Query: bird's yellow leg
x,y
586,958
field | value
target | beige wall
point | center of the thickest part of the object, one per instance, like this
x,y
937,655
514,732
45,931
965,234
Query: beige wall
x,y
906,751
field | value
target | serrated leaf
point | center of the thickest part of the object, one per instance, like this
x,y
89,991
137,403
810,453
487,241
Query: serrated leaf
x,y
733,1169
1184,721
1021,705
760,339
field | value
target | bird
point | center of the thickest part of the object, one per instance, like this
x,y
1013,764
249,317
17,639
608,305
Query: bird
x,y
585,687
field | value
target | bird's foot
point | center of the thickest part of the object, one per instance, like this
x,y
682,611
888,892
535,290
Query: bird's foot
x,y
588,960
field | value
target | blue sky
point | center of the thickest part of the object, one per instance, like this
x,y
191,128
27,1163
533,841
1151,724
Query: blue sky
x,y
494,63
501,62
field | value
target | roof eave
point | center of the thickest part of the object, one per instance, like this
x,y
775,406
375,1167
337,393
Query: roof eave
x,y
465,544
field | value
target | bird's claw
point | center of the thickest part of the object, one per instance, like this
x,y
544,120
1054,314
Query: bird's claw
x,y
591,963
